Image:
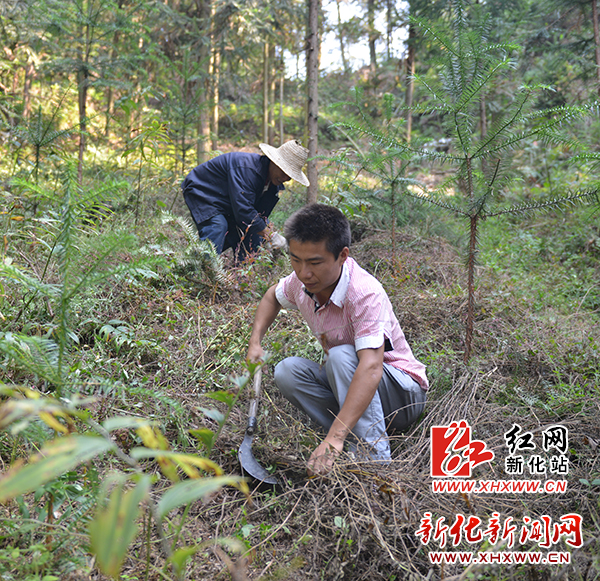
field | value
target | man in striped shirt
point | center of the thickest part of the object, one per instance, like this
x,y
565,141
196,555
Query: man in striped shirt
x,y
371,383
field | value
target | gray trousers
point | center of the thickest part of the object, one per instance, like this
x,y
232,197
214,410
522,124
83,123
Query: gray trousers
x,y
320,391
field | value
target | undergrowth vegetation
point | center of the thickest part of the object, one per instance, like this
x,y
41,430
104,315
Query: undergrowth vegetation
x,y
123,373
153,330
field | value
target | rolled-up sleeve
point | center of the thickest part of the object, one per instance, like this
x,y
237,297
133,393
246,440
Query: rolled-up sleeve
x,y
369,322
283,292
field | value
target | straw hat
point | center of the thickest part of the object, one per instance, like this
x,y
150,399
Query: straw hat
x,y
290,157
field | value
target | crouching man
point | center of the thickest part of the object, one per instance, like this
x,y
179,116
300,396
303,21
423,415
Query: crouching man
x,y
371,384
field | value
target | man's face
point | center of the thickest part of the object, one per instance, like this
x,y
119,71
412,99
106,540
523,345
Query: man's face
x,y
316,267
277,176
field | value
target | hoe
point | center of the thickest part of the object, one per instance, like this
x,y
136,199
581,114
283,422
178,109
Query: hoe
x,y
247,460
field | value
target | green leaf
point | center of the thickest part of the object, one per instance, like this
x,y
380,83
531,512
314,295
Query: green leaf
x,y
56,458
213,414
180,557
224,396
205,436
115,526
188,491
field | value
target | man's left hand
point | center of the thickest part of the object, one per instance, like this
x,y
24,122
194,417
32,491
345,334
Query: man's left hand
x,y
321,460
277,241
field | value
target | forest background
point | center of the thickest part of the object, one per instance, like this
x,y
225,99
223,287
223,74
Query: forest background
x,y
466,160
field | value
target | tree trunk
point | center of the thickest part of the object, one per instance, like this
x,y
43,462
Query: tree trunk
x,y
29,75
410,83
202,148
483,124
281,80
372,35
471,263
82,91
215,69
312,77
596,40
390,27
266,93
203,11
341,38
272,87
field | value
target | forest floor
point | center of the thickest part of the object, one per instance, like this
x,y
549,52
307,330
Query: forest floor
x,y
533,367
535,364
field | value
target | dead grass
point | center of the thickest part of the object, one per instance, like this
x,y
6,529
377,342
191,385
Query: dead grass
x,y
360,522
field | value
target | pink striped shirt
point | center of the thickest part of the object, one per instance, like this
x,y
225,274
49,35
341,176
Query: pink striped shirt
x,y
358,313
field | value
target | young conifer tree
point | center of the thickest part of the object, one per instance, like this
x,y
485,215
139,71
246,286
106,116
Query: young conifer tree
x,y
469,67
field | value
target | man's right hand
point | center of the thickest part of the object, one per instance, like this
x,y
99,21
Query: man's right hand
x,y
265,314
255,354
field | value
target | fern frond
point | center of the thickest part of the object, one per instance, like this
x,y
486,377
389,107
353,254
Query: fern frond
x,y
199,256
442,105
31,283
36,355
186,225
435,199
593,157
437,34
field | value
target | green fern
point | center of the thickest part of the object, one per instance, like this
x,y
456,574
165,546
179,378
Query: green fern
x,y
199,258
78,258
37,355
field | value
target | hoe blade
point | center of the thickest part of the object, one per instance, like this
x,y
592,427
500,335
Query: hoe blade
x,y
246,458
250,465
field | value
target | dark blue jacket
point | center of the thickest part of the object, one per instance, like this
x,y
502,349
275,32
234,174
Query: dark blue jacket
x,y
232,184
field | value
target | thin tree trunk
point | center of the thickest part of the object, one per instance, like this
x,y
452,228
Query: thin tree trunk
x,y
596,40
82,91
341,38
214,78
203,11
410,83
471,263
312,77
266,92
390,27
281,80
372,35
272,87
203,149
29,75
483,126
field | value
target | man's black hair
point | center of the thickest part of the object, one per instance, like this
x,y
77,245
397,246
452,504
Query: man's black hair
x,y
317,222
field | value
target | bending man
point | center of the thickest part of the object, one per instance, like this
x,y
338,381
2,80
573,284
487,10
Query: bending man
x,y
231,196
371,383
